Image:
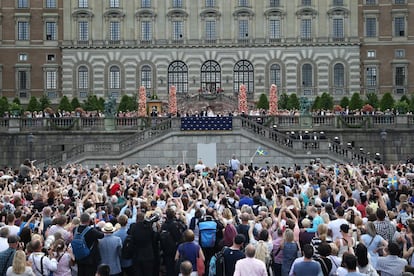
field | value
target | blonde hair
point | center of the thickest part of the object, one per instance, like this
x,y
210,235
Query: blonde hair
x,y
322,231
227,213
370,228
288,235
19,262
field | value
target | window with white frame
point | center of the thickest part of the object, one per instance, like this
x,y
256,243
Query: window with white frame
x,y
23,77
307,75
146,78
371,76
210,76
400,76
178,76
399,2
210,29
243,3
274,3
370,27
274,29
83,4
22,30
51,4
51,80
114,77
22,57
145,3
177,3
370,2
210,3
371,54
178,28
400,53
399,26
51,31
306,28
114,3
339,75
83,78
306,2
243,28
243,73
22,4
275,75
338,28
146,30
115,31
338,2
83,34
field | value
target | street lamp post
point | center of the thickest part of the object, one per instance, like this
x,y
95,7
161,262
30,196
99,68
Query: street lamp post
x,y
383,136
30,139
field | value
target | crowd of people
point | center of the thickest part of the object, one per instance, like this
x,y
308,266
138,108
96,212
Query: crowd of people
x,y
232,219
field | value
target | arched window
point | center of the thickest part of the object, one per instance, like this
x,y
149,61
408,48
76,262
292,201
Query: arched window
x,y
210,76
243,74
114,77
83,78
307,75
146,78
178,76
339,75
275,75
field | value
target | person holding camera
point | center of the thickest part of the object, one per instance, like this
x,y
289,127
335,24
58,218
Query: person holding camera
x,y
42,265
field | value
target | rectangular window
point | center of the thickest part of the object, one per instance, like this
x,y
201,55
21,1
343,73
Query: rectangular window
x,y
338,2
177,3
22,57
114,31
371,77
400,53
115,79
51,57
22,30
306,29
306,2
370,2
243,3
146,30
51,80
399,2
114,3
83,31
243,29
146,79
274,3
370,27
177,30
51,30
274,29
83,79
400,76
210,29
371,54
145,3
23,80
210,3
22,4
83,3
399,26
51,4
338,28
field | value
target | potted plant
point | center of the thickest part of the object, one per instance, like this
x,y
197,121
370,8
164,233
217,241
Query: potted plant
x,y
15,109
367,109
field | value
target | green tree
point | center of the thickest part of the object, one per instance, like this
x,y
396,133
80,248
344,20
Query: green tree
x,y
33,105
100,105
75,103
356,102
124,104
17,101
404,98
133,104
411,105
316,103
293,102
344,102
263,102
283,101
402,107
65,104
326,101
4,105
44,102
93,103
387,102
372,99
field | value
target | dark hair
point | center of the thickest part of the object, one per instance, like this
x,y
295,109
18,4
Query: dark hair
x,y
324,249
380,214
350,261
340,211
361,252
263,235
103,270
308,251
393,249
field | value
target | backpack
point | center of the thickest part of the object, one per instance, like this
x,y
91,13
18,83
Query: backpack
x,y
217,264
127,251
79,247
262,253
208,231
167,242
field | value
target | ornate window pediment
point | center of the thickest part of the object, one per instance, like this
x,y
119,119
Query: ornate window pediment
x,y
274,11
307,11
243,11
210,12
114,13
82,13
338,11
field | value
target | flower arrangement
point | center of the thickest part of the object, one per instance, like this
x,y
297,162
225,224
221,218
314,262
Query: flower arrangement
x,y
273,100
338,108
173,101
142,102
242,99
367,108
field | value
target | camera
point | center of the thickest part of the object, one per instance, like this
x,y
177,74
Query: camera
x,y
153,218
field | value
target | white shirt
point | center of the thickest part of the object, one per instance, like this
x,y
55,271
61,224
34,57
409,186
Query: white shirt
x,y
13,229
335,225
3,244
